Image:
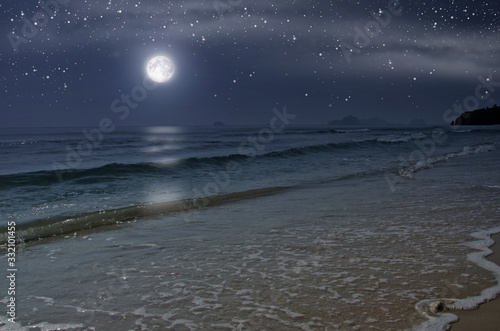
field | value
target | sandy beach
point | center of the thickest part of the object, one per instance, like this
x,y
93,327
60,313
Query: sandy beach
x,y
487,317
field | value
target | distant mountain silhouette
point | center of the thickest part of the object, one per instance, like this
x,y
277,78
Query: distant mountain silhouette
x,y
417,122
354,121
218,123
348,120
483,116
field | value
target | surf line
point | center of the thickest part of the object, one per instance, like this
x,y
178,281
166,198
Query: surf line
x,y
434,309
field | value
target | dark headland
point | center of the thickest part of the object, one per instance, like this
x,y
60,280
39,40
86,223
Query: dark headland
x,y
373,122
483,116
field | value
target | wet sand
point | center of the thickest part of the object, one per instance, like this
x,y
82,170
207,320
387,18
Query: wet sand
x,y
487,317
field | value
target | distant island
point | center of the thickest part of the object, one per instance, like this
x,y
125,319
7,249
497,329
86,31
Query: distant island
x,y
218,123
483,116
374,121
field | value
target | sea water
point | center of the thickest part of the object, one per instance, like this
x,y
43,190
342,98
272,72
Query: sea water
x,y
225,228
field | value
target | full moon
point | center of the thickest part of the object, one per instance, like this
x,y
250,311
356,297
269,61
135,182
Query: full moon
x,y
160,69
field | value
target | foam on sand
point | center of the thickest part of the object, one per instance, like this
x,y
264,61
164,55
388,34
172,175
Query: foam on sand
x,y
434,309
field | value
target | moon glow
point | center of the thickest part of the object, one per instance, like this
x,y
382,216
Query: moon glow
x,y
160,69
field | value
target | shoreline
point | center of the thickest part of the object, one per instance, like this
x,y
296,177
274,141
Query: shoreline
x,y
59,227
485,317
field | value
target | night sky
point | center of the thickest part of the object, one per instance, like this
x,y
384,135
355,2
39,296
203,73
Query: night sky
x,y
235,60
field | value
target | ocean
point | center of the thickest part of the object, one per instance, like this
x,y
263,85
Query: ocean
x,y
246,228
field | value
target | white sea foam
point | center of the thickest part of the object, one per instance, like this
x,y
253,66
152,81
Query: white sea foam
x,y
437,323
5,325
48,301
441,321
186,323
394,139
418,135
353,131
428,163
407,136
